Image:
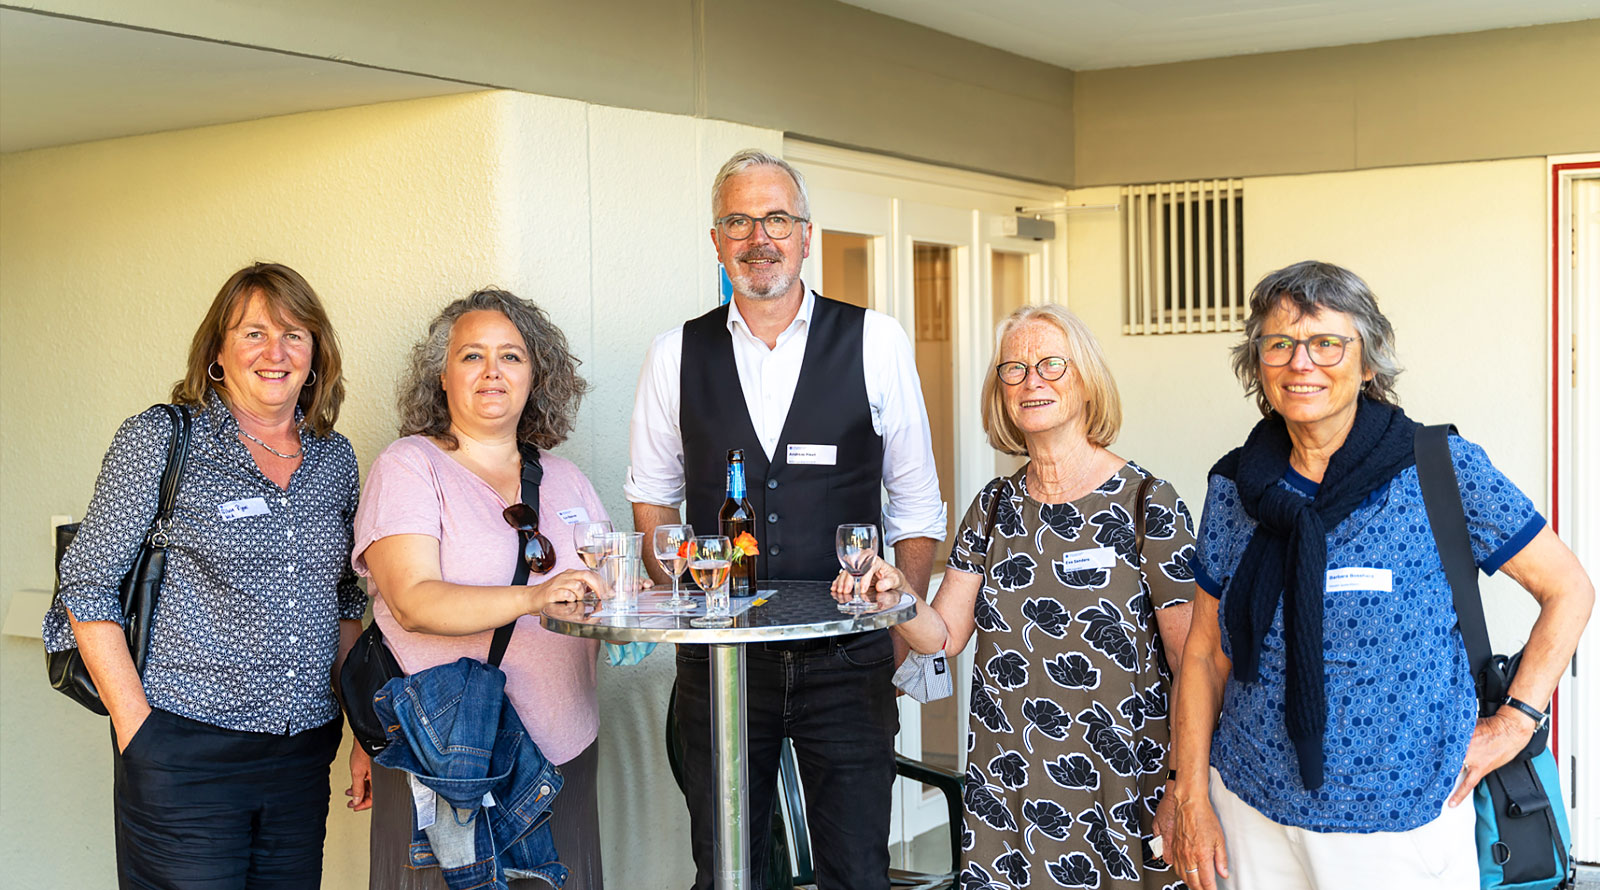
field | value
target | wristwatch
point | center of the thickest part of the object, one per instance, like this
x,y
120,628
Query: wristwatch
x,y
1540,718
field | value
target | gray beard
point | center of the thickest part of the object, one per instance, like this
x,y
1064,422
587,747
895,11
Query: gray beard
x,y
744,287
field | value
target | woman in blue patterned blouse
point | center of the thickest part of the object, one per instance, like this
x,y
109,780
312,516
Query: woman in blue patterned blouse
x,y
223,746
1325,722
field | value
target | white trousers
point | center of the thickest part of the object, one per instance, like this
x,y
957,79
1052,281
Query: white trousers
x,y
1264,855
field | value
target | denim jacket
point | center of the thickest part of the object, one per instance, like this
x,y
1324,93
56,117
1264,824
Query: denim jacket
x,y
454,731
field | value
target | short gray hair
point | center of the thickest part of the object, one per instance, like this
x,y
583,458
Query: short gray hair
x,y
755,157
1310,288
552,407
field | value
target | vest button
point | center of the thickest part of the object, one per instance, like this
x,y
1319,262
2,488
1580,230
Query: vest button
x,y
772,483
772,517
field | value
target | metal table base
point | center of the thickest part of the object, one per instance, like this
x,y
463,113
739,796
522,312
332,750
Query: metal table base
x,y
795,610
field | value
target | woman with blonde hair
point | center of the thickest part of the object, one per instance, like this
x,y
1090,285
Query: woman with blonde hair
x,y
1073,613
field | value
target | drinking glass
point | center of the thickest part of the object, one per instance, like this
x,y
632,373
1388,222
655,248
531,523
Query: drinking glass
x,y
672,544
623,573
622,544
856,543
586,537
708,566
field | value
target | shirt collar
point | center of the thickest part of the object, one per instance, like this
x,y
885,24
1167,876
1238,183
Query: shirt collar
x,y
801,318
226,427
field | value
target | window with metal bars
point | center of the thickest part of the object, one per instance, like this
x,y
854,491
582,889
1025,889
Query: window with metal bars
x,y
1184,247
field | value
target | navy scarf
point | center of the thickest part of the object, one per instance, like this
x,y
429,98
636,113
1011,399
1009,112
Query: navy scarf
x,y
1287,557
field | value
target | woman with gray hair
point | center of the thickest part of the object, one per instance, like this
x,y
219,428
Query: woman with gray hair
x,y
1325,724
490,387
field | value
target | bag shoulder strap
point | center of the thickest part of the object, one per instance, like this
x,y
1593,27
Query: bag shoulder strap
x,y
532,475
177,456
1441,494
1140,501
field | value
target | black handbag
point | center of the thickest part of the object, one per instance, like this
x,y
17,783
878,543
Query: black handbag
x,y
140,587
369,664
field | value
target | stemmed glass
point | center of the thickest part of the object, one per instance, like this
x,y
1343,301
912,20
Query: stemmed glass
x,y
672,544
856,543
589,538
709,563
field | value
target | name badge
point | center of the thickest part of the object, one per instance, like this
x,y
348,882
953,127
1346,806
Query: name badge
x,y
1340,580
241,508
1098,558
573,515
816,455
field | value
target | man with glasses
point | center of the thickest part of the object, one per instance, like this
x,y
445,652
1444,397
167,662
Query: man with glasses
x,y
831,410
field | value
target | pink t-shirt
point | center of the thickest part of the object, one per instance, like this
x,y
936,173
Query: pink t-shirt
x,y
414,488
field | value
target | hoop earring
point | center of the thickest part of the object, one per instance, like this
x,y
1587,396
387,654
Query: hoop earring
x,y
312,381
218,376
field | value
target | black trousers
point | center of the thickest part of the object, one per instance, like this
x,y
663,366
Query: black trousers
x,y
199,807
834,699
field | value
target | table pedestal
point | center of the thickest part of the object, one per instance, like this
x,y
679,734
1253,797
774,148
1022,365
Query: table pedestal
x,y
732,809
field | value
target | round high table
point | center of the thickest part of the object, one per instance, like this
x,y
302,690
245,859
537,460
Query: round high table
x,y
794,610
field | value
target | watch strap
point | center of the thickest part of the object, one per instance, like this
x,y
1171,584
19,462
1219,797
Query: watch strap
x,y
1537,716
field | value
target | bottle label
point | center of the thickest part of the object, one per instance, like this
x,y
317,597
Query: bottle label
x,y
736,481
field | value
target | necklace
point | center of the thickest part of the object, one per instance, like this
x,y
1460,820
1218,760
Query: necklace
x,y
273,450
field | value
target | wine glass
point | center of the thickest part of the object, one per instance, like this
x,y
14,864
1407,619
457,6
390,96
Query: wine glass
x,y
856,543
709,564
589,538
672,544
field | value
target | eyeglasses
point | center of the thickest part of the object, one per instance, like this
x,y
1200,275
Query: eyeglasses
x,y
778,226
1325,350
536,548
1051,367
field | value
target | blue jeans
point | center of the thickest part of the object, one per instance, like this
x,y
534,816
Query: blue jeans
x,y
835,699
453,728
199,807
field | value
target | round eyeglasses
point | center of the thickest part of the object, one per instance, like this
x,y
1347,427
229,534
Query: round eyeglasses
x,y
1051,367
778,226
1325,350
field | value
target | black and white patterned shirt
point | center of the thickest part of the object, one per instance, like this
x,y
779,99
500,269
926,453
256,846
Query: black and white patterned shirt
x,y
258,577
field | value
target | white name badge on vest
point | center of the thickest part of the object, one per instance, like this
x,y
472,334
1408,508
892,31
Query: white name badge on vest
x,y
573,515
1098,558
1340,580
815,455
241,508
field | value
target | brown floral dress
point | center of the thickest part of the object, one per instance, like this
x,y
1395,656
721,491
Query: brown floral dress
x,y
1067,744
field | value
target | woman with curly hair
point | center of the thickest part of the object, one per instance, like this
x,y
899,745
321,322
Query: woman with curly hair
x,y
490,387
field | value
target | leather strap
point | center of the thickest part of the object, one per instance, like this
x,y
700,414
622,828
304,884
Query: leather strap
x,y
1441,494
1139,518
532,475
177,456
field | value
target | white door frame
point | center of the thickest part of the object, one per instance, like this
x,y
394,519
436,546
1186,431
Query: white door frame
x,y
1574,479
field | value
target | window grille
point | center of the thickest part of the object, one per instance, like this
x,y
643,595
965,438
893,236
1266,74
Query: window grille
x,y
1184,245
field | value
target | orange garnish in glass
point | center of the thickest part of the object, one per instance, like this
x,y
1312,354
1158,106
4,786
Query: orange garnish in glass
x,y
686,550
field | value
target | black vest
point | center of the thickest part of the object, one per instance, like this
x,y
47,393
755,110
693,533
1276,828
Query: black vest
x,y
798,507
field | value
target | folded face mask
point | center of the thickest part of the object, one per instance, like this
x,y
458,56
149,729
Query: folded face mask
x,y
624,654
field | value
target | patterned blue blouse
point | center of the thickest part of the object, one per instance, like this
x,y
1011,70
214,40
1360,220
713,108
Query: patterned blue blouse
x,y
1400,703
248,620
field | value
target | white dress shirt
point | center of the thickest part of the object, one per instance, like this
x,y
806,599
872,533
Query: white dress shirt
x,y
768,378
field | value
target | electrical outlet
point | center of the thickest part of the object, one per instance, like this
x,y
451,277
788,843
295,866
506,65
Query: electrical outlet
x,y
55,520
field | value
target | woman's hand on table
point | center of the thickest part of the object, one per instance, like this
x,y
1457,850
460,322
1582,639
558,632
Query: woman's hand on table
x,y
881,585
571,586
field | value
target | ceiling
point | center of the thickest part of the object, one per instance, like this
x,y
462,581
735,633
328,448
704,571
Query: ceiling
x,y
1087,34
64,80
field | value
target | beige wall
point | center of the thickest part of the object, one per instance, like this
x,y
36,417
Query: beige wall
x,y
110,252
818,68
1455,254
1516,92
